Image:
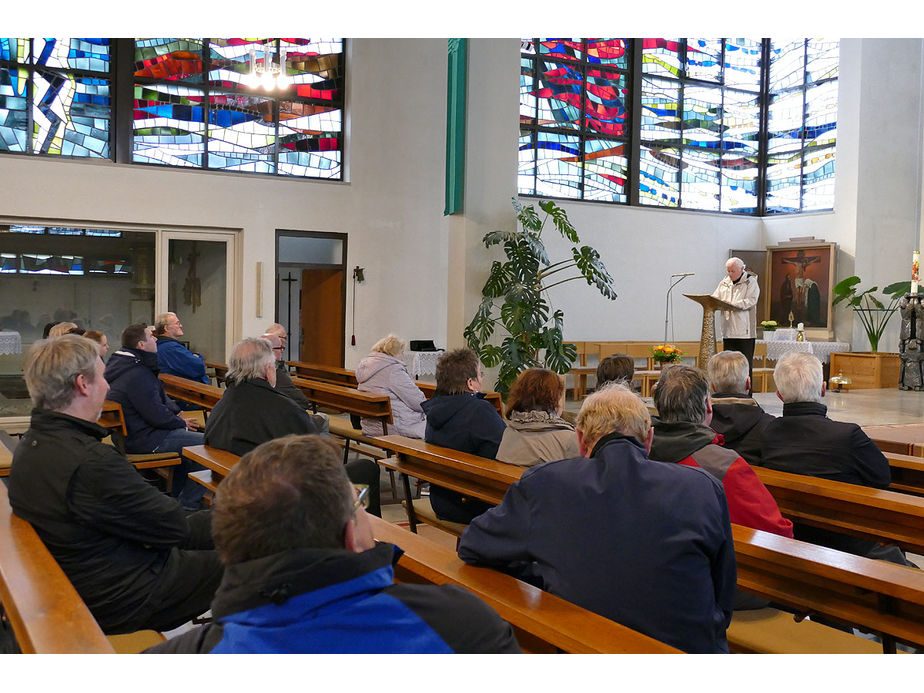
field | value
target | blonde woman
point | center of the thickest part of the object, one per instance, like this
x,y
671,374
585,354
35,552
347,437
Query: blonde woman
x,y
385,373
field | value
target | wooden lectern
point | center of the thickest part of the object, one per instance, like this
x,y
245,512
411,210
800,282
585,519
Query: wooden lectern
x,y
710,305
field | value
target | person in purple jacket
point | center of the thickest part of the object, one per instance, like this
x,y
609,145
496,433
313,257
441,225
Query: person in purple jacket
x,y
385,373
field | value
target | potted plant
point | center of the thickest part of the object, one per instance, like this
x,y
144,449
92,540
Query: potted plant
x,y
520,286
769,325
873,313
869,369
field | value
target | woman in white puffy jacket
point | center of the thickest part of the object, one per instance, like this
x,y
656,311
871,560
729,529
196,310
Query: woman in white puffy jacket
x,y
385,373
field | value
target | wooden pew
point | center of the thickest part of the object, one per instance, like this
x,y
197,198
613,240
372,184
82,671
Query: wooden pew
x,y
542,622
7,444
876,596
113,418
907,473
886,516
44,609
347,378
193,391
220,370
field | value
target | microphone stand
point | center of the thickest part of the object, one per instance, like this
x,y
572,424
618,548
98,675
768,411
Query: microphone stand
x,y
667,303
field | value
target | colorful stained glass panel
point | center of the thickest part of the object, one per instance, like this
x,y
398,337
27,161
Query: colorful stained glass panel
x,y
309,140
606,170
787,65
612,51
527,91
70,115
14,114
562,49
558,95
72,53
558,165
739,182
229,60
606,106
526,164
822,58
169,126
241,133
704,59
702,119
660,111
169,59
743,63
659,177
15,50
699,180
662,56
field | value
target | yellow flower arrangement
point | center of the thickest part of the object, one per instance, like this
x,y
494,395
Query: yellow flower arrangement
x,y
666,353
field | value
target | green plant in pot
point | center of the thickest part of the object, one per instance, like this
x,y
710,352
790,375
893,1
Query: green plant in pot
x,y
873,313
515,296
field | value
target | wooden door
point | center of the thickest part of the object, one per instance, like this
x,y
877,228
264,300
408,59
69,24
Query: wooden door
x,y
322,306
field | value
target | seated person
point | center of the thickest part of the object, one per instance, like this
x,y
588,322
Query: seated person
x,y
305,575
535,430
458,417
285,385
252,412
154,422
614,368
643,543
805,441
63,328
101,340
682,435
174,358
736,415
136,559
384,372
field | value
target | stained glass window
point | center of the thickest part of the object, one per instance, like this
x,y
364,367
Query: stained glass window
x,y
802,125
55,96
574,118
698,126
194,105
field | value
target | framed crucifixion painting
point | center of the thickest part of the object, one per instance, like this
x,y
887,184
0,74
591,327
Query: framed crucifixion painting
x,y
800,276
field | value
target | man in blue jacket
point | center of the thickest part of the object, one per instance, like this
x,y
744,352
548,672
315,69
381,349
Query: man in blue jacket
x,y
153,420
644,543
173,357
303,573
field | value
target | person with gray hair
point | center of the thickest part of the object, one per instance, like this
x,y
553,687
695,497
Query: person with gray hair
x,y
384,372
136,559
805,441
736,416
643,543
173,357
252,411
739,326
682,436
284,382
304,573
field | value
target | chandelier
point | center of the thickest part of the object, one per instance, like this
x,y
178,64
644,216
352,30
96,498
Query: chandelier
x,y
269,74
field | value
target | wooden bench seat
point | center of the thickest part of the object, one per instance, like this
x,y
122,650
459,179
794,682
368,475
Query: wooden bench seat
x,y
113,419
206,396
907,473
885,516
44,609
542,622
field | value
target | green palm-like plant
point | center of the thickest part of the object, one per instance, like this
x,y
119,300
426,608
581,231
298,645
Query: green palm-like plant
x,y
520,285
873,313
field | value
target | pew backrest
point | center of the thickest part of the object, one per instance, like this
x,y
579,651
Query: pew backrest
x,y
193,391
44,609
346,399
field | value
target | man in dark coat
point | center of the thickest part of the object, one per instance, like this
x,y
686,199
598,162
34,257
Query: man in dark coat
x,y
644,543
136,559
805,441
153,421
252,412
459,417
305,575
735,414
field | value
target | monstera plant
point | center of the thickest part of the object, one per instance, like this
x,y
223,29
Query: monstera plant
x,y
873,313
515,296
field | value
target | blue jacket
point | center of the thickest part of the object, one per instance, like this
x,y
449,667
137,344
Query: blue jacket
x,y
329,601
464,422
175,359
647,544
149,414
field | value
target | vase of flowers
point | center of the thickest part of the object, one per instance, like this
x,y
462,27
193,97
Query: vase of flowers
x,y
769,325
665,353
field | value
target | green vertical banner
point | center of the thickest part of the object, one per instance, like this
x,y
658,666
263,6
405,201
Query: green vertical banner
x,y
455,125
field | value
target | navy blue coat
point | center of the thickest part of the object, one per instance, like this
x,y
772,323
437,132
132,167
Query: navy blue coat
x,y
644,543
149,414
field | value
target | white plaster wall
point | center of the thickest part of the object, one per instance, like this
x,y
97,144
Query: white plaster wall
x,y
391,207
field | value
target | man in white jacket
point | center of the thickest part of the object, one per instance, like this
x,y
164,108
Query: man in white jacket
x,y
739,327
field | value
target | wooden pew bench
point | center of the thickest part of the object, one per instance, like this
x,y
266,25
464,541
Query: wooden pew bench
x,y
44,609
192,391
113,419
907,473
220,370
885,516
542,622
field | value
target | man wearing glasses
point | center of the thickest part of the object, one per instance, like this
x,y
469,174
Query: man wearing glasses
x,y
284,382
303,573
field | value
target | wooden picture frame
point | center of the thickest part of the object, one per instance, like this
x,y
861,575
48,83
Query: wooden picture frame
x,y
800,278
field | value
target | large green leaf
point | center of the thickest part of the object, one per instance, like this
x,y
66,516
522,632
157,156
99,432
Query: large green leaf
x,y
481,328
560,219
592,268
897,290
845,288
498,280
491,355
528,218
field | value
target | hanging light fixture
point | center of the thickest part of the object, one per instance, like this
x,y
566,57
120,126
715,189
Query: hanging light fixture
x,y
269,75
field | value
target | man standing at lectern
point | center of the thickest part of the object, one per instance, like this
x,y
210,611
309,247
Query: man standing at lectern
x,y
739,327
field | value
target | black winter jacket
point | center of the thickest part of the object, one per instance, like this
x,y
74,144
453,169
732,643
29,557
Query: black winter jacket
x,y
741,422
